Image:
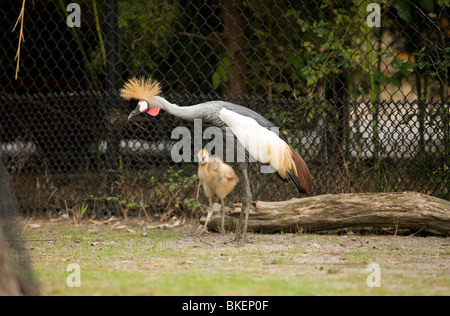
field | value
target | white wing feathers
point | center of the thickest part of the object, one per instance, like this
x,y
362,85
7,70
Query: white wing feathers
x,y
264,145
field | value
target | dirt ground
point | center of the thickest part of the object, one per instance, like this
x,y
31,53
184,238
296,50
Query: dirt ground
x,y
176,261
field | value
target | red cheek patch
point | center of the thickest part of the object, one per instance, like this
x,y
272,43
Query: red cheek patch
x,y
154,111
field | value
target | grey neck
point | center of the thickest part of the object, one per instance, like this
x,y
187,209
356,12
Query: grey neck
x,y
188,113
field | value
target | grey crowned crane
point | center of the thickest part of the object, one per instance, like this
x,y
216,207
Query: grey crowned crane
x,y
251,129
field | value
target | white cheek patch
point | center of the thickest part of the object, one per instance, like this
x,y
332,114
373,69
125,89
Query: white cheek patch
x,y
143,106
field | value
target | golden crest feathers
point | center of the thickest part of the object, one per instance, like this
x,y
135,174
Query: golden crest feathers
x,y
140,88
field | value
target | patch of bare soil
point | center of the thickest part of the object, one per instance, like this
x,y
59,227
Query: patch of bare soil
x,y
407,264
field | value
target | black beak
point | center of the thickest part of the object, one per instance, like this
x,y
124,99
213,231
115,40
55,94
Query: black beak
x,y
134,113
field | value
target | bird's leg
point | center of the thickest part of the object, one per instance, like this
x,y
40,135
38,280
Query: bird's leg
x,y
222,217
246,203
210,211
237,236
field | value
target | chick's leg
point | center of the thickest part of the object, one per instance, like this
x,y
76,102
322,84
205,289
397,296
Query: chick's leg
x,y
210,211
222,218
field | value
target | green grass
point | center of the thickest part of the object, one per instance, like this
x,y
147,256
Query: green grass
x,y
140,262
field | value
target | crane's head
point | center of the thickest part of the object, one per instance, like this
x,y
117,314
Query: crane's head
x,y
141,91
143,107
203,157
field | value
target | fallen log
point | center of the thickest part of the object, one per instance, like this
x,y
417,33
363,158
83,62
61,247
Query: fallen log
x,y
393,212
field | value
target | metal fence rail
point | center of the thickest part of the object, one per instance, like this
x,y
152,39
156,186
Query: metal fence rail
x,y
366,106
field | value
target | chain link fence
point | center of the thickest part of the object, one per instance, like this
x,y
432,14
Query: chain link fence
x,y
360,89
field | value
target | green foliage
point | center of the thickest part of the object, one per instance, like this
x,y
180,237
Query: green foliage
x,y
174,191
403,9
90,62
309,48
126,204
145,28
171,186
326,53
222,70
78,212
294,48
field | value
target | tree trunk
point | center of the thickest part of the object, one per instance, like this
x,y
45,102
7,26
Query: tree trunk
x,y
234,41
393,212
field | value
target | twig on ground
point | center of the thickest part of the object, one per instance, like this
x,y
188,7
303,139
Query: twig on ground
x,y
417,232
207,243
396,224
28,240
25,228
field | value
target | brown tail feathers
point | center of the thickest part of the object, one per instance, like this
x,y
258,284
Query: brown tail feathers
x,y
302,180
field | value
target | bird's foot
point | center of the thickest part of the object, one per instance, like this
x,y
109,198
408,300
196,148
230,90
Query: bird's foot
x,y
202,231
240,240
223,231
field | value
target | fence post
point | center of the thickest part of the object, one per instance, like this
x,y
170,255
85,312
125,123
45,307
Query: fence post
x,y
112,98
